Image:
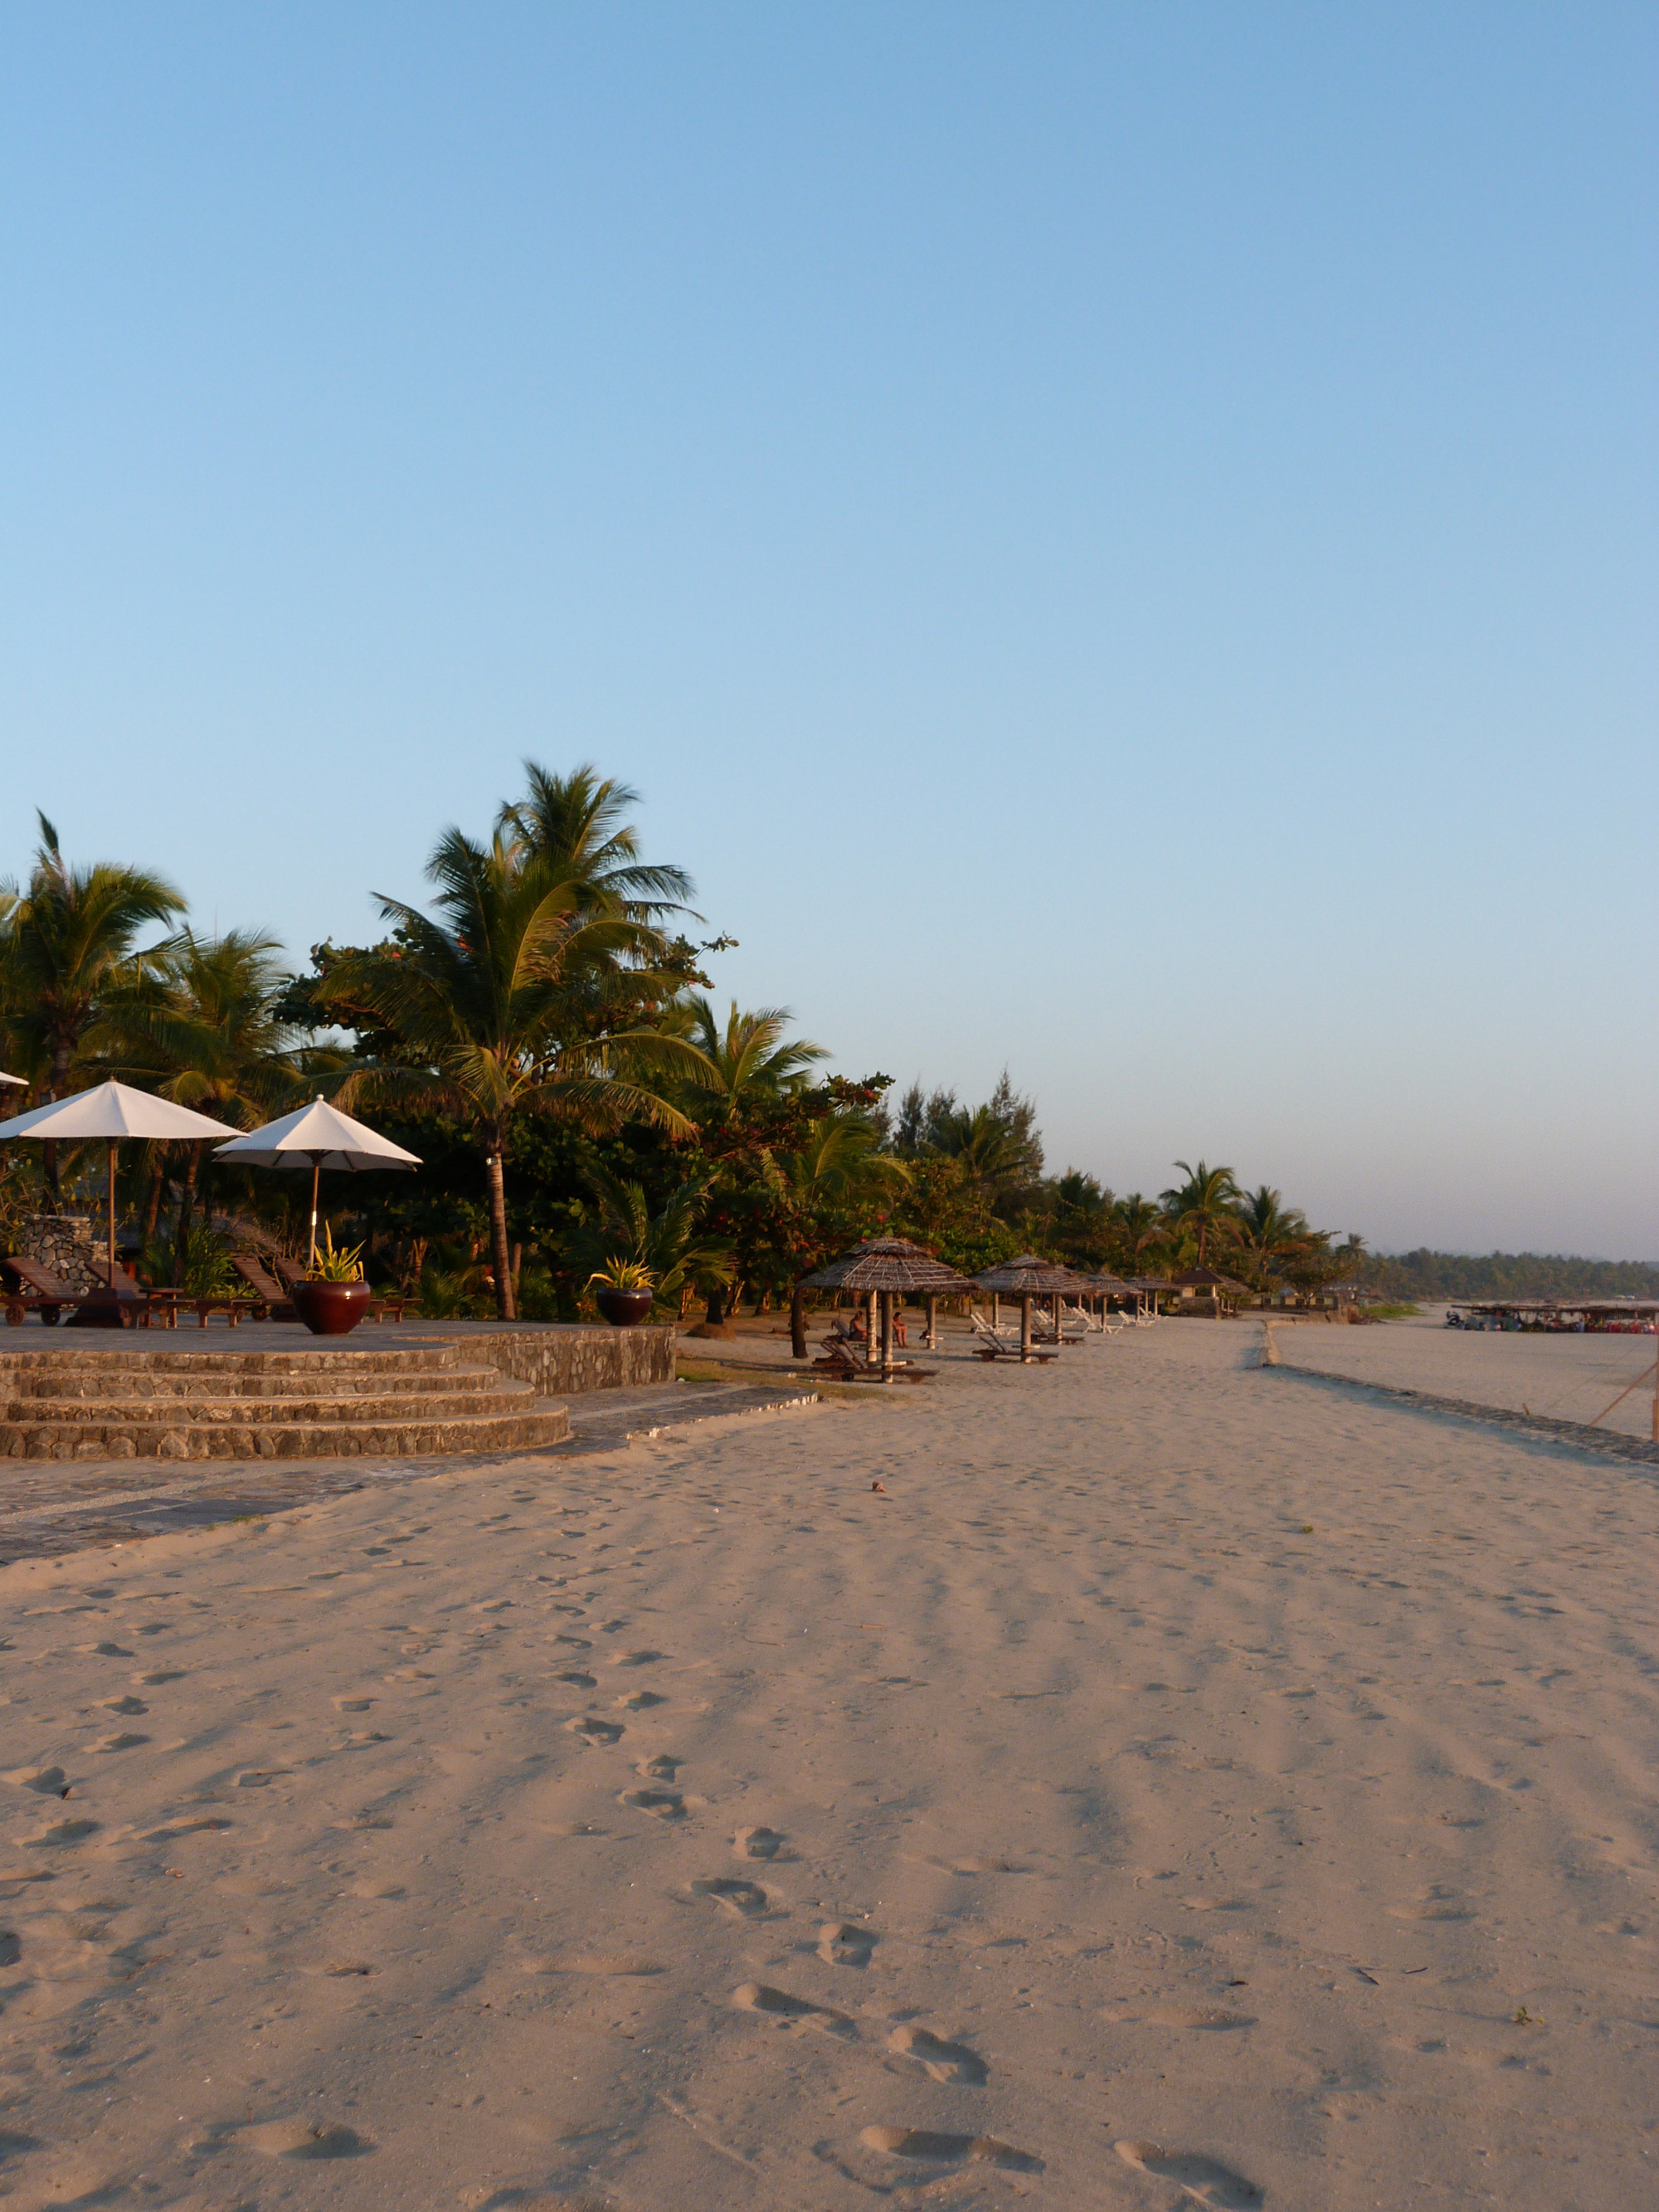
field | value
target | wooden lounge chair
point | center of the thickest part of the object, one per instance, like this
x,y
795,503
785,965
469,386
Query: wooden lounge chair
x,y
38,1291
844,1360
1000,1344
272,1301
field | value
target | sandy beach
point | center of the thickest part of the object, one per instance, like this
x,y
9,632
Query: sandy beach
x,y
1182,1782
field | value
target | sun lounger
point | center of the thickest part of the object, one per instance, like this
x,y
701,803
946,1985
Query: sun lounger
x,y
38,1291
1003,1344
844,1361
272,1301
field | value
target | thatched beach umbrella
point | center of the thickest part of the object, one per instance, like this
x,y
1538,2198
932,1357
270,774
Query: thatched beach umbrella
x,y
1107,1286
1026,1277
882,1268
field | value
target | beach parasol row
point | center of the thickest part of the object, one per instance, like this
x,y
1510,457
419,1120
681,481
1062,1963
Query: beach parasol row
x,y
318,1136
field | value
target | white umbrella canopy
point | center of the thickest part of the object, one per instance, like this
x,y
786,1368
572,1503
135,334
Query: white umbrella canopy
x,y
318,1136
114,1112
20,1081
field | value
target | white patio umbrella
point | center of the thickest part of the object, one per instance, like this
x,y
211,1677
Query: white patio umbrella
x,y
20,1082
321,1134
114,1113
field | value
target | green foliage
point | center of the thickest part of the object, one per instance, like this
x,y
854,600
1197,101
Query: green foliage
x,y
1433,1276
201,1267
333,1264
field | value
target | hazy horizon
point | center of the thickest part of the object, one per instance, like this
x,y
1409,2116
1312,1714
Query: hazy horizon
x,y
1113,543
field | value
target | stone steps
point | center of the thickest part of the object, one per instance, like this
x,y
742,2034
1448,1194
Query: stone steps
x,y
94,1405
125,1389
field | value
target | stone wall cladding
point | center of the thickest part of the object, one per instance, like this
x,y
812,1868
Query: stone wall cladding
x,y
560,1358
64,1244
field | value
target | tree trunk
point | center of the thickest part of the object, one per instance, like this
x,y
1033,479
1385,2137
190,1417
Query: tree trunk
x,y
186,1207
153,1195
716,1307
798,1324
500,1262
59,1076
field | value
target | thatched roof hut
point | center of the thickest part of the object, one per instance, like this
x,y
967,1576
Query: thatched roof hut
x,y
888,1263
1026,1276
886,1268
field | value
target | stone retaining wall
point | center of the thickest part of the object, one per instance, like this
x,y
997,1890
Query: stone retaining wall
x,y
560,1358
64,1244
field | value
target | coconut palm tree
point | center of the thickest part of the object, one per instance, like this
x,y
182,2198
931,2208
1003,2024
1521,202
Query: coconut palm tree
x,y
748,1060
1269,1232
516,998
1205,1206
1140,1231
578,823
66,943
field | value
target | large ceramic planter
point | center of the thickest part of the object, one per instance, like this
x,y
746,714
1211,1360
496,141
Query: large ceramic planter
x,y
624,1309
330,1308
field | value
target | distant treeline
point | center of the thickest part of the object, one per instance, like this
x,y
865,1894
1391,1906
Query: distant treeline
x,y
1425,1274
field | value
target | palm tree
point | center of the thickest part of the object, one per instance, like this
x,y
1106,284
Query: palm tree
x,y
1139,1228
201,1026
1204,1206
1269,1232
67,943
513,1001
669,1242
749,1059
577,821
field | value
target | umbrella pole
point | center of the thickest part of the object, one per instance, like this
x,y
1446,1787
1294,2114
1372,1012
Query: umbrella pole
x,y
316,1171
112,1214
931,1339
886,1335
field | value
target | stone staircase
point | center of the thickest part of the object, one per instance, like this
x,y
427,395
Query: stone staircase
x,y
89,1403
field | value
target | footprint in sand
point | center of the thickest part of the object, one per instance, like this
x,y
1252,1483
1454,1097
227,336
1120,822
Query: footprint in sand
x,y
744,1900
843,1943
605,1963
164,1675
635,1658
47,1780
575,1642
125,1741
352,1704
305,2139
661,1804
784,2011
638,1701
592,1730
128,1704
949,2150
1211,2016
939,2060
662,1768
578,1680
61,1832
1204,2180
260,1777
104,1650
758,1842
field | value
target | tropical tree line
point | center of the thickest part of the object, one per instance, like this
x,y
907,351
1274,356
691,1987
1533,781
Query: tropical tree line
x,y
541,1032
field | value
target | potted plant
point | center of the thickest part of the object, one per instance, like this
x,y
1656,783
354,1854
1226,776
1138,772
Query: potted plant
x,y
626,1292
333,1297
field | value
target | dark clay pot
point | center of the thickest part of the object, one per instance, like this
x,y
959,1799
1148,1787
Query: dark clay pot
x,y
330,1308
624,1309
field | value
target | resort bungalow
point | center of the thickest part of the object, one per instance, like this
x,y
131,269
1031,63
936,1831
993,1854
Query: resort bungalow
x,y
1201,1290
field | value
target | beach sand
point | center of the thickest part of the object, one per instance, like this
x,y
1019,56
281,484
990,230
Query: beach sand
x,y
1187,1783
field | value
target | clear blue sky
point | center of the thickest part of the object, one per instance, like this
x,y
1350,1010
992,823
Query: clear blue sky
x,y
1114,540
